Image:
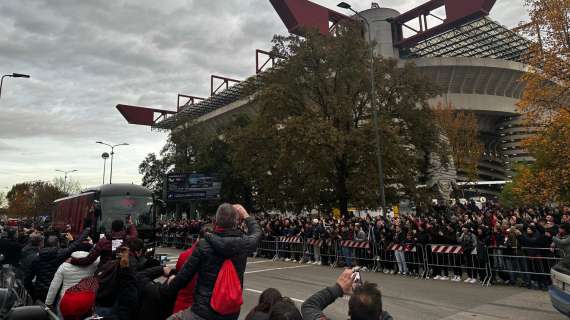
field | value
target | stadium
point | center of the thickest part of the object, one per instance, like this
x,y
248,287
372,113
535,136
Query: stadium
x,y
475,60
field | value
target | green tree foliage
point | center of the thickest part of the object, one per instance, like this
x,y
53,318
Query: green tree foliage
x,y
30,199
462,131
312,143
191,149
154,170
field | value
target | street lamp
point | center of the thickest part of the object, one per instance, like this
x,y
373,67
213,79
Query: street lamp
x,y
65,179
13,75
105,156
375,112
112,156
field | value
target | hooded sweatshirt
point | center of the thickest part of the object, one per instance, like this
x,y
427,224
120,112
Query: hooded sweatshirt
x,y
68,275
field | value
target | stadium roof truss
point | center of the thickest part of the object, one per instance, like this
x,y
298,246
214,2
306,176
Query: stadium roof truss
x,y
481,38
466,32
193,111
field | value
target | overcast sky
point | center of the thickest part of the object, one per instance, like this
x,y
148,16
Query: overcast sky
x,y
85,57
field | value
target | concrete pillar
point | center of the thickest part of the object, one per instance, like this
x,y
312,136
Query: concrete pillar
x,y
381,31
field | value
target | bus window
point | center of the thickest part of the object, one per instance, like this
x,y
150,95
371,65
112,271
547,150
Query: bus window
x,y
120,207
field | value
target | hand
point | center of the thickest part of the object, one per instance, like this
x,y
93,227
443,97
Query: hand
x,y
345,281
170,279
166,271
68,236
241,211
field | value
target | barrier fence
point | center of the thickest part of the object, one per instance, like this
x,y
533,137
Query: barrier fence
x,y
486,265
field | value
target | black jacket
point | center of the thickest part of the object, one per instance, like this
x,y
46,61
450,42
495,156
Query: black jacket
x,y
207,260
48,260
27,258
11,250
312,308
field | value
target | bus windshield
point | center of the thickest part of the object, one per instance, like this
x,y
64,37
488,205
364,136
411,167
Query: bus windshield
x,y
120,207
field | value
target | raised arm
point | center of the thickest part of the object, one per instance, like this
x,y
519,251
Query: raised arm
x,y
132,232
253,234
74,246
188,271
312,308
93,254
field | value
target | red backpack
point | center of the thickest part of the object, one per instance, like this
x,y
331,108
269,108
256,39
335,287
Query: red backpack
x,y
227,295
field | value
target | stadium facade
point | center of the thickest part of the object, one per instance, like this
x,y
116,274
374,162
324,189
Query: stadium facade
x,y
475,60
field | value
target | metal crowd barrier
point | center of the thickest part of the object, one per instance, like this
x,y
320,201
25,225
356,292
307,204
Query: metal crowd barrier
x,y
484,264
174,238
290,249
352,253
445,260
526,265
407,259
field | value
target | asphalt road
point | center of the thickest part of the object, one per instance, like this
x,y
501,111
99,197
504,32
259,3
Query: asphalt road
x,y
404,298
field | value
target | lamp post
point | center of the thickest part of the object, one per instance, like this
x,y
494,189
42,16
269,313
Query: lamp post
x,y
65,179
375,113
13,75
105,156
112,156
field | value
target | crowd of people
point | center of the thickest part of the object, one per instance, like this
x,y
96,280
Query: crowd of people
x,y
495,243
110,275
113,279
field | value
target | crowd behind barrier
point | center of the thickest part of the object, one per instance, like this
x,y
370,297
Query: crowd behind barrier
x,y
488,245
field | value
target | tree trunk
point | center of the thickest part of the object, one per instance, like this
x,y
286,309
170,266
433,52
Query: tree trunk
x,y
341,189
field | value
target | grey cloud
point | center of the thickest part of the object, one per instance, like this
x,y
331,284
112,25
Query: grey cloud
x,y
87,56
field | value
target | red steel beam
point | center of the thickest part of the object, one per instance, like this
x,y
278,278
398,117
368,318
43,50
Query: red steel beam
x,y
299,15
142,115
457,12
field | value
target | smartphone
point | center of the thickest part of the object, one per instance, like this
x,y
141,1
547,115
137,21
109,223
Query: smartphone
x,y
357,277
163,259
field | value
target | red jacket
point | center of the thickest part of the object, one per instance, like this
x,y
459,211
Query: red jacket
x,y
185,297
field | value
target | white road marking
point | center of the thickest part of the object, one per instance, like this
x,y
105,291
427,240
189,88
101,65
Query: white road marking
x,y
259,292
172,261
262,261
274,269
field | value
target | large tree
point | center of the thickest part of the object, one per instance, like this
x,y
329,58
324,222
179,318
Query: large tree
x,y
31,199
548,179
462,132
312,142
547,83
546,105
154,170
71,186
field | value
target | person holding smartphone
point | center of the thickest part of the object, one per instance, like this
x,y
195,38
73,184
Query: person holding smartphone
x,y
365,301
